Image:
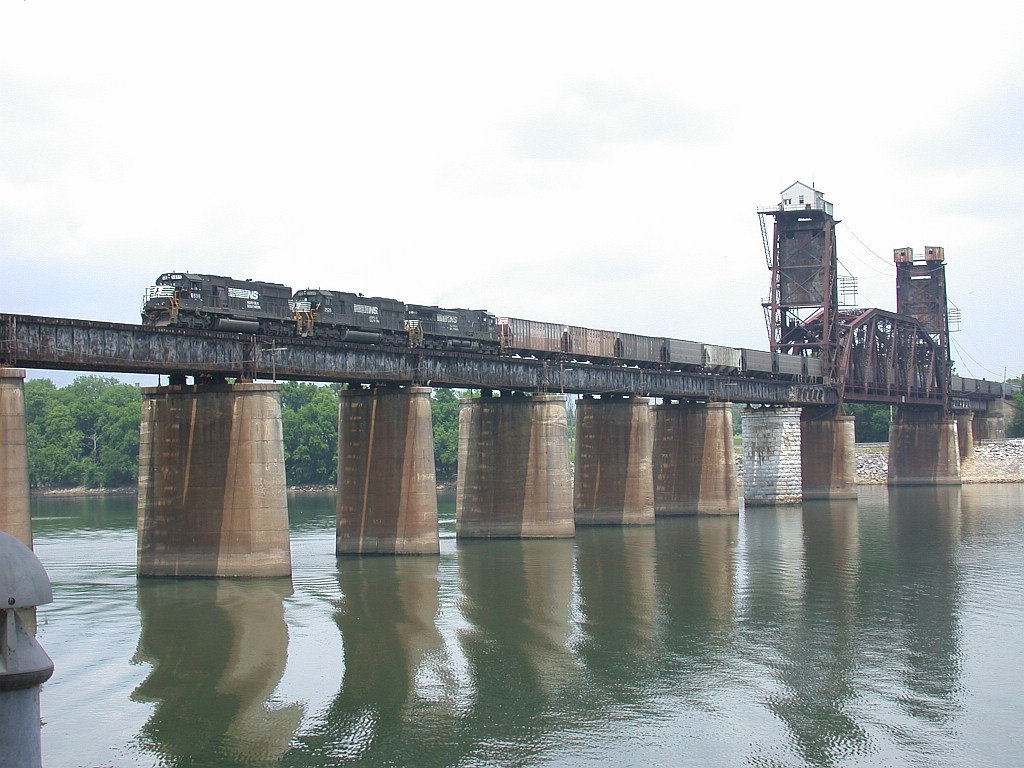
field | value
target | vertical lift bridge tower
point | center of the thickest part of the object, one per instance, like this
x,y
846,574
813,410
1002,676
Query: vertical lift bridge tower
x,y
902,354
921,294
800,311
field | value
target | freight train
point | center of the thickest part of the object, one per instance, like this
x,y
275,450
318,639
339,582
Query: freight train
x,y
211,302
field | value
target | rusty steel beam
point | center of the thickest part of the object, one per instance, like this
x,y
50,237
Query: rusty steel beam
x,y
81,345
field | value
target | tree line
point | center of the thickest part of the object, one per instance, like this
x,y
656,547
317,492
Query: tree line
x,y
86,434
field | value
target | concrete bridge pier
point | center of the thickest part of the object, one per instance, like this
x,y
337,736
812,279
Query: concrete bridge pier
x,y
828,454
14,502
387,492
965,434
211,482
694,460
772,471
514,468
991,425
923,448
614,483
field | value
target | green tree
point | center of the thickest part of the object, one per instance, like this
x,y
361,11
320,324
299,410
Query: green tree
x,y
871,423
1016,426
309,421
116,431
86,433
444,408
54,448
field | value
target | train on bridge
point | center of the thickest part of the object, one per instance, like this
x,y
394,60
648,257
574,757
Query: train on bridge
x,y
212,302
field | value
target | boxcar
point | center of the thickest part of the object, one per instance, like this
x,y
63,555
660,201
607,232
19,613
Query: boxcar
x,y
789,365
813,368
590,343
530,337
639,349
678,352
722,359
757,362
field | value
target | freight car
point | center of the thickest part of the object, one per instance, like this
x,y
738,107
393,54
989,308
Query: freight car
x,y
555,341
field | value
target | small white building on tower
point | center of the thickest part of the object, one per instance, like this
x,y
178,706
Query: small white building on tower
x,y
799,195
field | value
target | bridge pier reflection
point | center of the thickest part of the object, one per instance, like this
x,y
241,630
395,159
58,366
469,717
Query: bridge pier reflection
x,y
211,482
15,518
217,651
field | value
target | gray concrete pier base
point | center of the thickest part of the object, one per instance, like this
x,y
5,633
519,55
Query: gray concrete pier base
x,y
828,454
613,483
387,492
694,460
772,472
212,482
923,448
991,425
965,434
15,518
514,477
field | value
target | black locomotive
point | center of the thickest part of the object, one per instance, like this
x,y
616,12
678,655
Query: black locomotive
x,y
349,317
217,303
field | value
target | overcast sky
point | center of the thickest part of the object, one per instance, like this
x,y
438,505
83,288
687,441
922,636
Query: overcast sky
x,y
590,163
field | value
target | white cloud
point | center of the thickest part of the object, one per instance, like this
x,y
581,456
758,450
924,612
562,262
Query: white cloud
x,y
591,161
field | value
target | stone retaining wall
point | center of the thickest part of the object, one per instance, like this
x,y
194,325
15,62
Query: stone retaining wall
x,y
997,461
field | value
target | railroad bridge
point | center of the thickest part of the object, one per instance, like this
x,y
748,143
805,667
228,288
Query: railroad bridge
x,y
212,482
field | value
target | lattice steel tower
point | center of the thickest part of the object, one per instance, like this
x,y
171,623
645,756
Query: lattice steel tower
x,y
800,311
921,294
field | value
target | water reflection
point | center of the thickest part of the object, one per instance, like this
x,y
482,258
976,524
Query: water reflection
x,y
75,514
696,588
217,649
926,533
697,581
517,599
394,679
813,660
877,633
618,606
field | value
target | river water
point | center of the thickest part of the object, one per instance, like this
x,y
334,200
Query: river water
x,y
883,632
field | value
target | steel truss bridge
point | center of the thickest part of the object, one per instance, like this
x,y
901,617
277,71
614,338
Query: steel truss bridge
x,y
886,358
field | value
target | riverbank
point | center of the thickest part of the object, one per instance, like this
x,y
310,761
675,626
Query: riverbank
x,y
996,461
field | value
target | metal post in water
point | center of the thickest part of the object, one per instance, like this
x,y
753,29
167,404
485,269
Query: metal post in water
x,y
24,665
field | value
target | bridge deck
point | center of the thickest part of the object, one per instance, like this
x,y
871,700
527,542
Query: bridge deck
x,y
82,345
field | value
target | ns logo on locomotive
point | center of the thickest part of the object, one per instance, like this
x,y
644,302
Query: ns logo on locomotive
x,y
211,302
